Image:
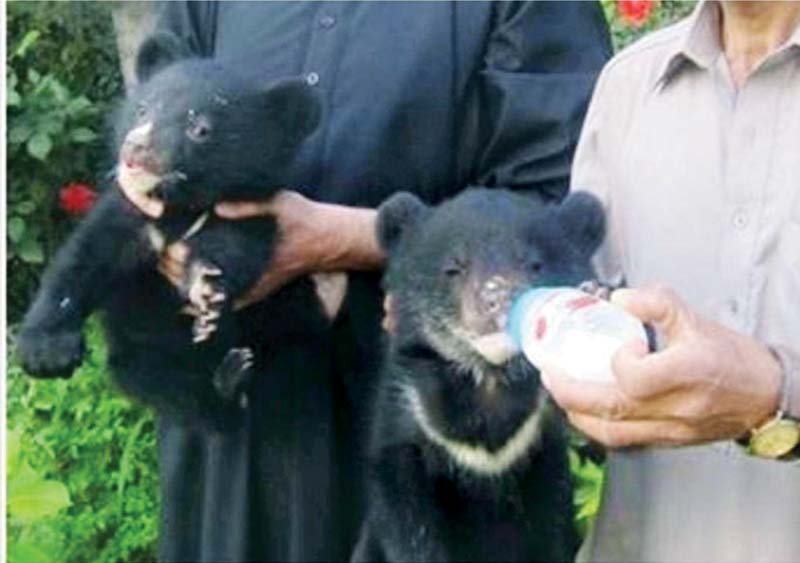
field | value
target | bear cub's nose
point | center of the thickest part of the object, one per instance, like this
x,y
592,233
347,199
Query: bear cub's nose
x,y
495,297
137,147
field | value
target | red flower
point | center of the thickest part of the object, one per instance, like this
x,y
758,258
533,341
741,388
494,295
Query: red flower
x,y
635,12
76,198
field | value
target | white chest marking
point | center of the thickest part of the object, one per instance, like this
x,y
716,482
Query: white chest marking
x,y
476,457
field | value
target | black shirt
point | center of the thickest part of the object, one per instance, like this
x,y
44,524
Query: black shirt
x,y
428,97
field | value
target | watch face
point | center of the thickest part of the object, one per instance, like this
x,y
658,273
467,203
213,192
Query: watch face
x,y
775,439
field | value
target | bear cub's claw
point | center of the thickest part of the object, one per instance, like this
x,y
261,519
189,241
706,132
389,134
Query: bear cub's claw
x,y
233,375
597,289
206,295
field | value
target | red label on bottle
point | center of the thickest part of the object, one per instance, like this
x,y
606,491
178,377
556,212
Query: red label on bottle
x,y
541,328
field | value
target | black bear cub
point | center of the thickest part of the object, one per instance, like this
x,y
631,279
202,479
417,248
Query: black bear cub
x,y
191,134
468,460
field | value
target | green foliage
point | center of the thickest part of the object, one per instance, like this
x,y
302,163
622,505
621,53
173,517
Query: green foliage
x,y
588,481
31,498
83,435
61,74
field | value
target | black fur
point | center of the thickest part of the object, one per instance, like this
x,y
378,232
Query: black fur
x,y
425,505
215,137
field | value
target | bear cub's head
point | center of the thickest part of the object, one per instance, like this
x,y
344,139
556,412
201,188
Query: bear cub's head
x,y
455,269
194,132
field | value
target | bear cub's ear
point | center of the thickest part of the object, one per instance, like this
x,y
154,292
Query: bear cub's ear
x,y
293,109
584,221
158,52
395,216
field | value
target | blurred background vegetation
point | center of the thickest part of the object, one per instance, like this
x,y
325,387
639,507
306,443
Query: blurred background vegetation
x,y
82,468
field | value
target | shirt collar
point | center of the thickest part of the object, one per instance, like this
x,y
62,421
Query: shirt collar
x,y
699,43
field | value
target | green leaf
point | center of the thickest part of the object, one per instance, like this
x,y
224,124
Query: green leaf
x,y
78,105
60,91
127,453
52,125
36,499
82,135
26,43
23,475
29,250
13,98
18,134
16,228
26,552
12,450
25,207
39,146
33,76
43,405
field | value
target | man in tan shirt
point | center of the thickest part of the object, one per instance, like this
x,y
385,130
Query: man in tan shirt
x,y
693,143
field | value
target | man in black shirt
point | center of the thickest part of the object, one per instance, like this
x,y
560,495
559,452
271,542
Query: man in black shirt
x,y
426,97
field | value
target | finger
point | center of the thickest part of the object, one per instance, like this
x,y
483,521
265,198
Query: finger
x,y
190,310
659,306
208,316
678,367
621,434
197,297
266,285
243,209
603,400
171,271
641,375
177,252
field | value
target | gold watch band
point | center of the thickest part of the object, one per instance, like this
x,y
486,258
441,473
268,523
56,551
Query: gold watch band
x,y
776,438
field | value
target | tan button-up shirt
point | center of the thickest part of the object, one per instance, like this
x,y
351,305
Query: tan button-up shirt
x,y
701,182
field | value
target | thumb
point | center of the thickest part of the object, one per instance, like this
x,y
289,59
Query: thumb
x,y
658,306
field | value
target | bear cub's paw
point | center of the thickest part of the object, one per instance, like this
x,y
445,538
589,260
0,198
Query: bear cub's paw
x,y
49,354
202,287
234,374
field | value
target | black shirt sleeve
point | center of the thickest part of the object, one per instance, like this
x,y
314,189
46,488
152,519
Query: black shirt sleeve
x,y
192,22
540,65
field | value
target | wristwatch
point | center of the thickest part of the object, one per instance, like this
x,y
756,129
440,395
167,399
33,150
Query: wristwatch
x,y
777,438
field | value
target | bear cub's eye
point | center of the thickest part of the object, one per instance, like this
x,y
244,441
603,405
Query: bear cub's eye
x,y
198,128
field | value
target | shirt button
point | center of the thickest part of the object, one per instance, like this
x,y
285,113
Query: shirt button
x,y
327,22
312,78
740,219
